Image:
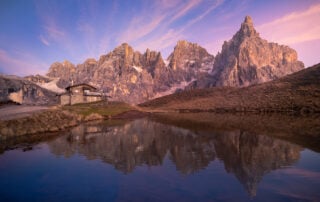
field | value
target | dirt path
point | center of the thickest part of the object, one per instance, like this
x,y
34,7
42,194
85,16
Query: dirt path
x,y
18,111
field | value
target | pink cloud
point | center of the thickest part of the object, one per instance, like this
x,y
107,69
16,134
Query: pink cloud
x,y
139,28
170,37
44,40
54,32
168,4
21,64
167,13
185,9
301,172
206,12
293,28
161,42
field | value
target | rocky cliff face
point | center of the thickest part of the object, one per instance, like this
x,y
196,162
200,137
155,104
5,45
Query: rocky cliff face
x,y
23,91
133,77
189,60
122,72
248,59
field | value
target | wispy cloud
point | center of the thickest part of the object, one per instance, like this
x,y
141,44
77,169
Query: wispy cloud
x,y
301,172
205,13
53,26
161,20
168,4
139,28
296,27
185,9
21,63
48,12
162,40
44,40
54,32
88,37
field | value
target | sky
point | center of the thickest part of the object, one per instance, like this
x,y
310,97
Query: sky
x,y
36,33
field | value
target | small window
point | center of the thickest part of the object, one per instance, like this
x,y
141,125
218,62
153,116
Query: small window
x,y
10,90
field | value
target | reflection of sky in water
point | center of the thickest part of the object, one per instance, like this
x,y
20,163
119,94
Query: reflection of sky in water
x,y
146,160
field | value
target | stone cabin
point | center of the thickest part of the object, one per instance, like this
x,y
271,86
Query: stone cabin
x,y
80,93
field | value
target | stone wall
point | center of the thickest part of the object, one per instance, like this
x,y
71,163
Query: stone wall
x,y
65,99
93,98
76,98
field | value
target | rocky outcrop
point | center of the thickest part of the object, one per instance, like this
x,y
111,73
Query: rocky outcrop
x,y
189,60
23,91
65,71
122,74
248,59
48,83
38,79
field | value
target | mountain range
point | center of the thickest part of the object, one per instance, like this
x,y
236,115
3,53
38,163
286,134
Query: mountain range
x,y
134,77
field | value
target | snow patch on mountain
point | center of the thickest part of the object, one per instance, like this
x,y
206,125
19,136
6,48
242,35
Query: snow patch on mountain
x,y
138,69
174,88
52,86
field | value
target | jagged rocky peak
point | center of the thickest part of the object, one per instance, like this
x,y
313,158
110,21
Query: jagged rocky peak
x,y
124,50
90,61
61,70
150,56
152,60
247,28
187,54
125,56
247,59
187,49
65,71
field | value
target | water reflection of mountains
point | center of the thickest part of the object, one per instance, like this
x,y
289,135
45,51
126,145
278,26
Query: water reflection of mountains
x,y
248,156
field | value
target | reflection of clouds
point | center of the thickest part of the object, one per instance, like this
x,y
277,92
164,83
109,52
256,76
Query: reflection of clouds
x,y
293,183
144,142
301,173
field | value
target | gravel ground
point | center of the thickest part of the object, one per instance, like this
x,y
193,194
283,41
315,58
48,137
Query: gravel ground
x,y
18,111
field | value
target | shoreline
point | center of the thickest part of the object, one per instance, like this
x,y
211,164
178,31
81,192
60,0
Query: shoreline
x,y
60,118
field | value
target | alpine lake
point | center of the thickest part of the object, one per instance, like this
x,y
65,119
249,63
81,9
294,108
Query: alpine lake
x,y
168,157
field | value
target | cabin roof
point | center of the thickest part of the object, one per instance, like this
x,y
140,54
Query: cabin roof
x,y
81,84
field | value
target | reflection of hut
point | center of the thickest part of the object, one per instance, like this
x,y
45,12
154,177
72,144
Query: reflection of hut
x,y
80,93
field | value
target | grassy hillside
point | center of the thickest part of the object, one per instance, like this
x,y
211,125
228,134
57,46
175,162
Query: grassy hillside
x,y
299,92
105,109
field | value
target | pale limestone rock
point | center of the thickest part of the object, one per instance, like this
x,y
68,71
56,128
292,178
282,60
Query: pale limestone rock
x,y
248,59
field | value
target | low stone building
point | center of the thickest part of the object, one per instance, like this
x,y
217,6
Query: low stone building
x,y
80,93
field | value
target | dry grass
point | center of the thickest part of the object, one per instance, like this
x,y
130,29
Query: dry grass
x,y
105,109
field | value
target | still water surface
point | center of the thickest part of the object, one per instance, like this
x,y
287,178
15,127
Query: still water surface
x,y
155,159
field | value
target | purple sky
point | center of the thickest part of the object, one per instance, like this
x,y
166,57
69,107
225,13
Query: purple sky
x,y
34,34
